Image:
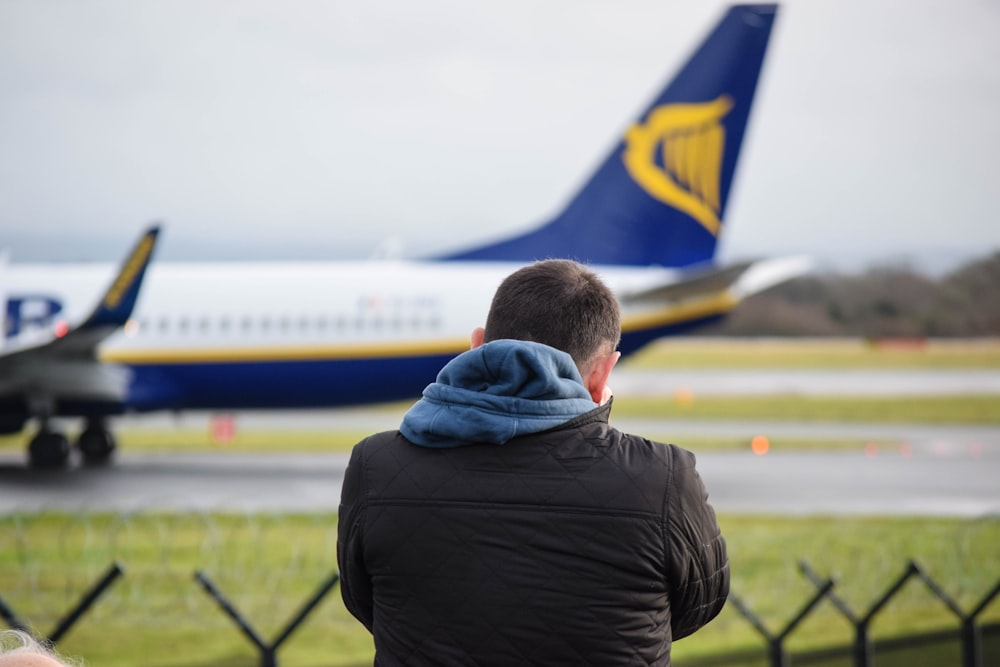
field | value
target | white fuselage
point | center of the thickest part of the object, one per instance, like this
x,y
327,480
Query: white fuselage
x,y
253,335
226,308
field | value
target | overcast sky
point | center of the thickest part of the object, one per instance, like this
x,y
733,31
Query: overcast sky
x,y
325,128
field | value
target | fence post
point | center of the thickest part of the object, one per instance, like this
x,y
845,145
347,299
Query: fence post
x,y
775,643
970,636
268,652
862,642
320,593
88,599
74,615
972,652
972,641
862,650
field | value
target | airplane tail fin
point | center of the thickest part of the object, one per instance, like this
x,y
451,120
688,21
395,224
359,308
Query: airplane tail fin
x,y
660,197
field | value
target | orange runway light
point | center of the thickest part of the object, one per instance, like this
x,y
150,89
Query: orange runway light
x,y
759,445
684,397
871,450
222,429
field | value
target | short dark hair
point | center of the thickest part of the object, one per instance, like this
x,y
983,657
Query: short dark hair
x,y
560,303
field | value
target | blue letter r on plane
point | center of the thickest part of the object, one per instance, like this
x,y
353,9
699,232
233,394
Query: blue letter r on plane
x,y
31,311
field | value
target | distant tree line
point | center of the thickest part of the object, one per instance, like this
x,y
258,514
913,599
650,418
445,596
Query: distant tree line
x,y
883,302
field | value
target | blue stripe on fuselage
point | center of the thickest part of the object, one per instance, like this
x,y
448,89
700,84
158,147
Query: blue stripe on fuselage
x,y
309,383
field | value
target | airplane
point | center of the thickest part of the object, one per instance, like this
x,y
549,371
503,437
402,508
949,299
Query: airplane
x,y
263,335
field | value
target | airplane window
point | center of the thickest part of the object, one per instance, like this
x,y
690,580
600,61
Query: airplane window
x,y
265,324
224,324
283,324
321,323
182,325
203,324
164,324
247,323
303,323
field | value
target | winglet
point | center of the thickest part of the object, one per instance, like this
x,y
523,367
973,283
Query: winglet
x,y
115,307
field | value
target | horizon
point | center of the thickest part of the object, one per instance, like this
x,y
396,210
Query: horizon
x,y
104,247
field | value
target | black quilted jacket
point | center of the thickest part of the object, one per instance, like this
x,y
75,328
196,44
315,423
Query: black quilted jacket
x,y
580,545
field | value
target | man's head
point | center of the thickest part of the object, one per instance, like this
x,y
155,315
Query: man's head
x,y
19,649
562,304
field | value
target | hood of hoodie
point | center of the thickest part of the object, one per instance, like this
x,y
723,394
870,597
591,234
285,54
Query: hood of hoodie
x,y
496,392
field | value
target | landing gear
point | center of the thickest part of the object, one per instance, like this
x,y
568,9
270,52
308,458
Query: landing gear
x,y
96,443
48,449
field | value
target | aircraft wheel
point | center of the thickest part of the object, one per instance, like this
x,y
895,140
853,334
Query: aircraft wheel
x,y
96,444
48,449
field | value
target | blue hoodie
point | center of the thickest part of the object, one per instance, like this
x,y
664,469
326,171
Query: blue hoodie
x,y
496,392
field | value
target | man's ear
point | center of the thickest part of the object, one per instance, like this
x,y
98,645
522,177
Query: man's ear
x,y
477,337
597,379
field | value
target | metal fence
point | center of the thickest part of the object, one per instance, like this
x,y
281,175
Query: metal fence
x,y
861,651
253,592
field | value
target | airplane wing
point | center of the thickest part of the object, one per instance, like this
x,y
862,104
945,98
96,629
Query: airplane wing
x,y
698,297
66,365
738,280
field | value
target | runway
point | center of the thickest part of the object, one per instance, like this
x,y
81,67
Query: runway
x,y
916,469
917,477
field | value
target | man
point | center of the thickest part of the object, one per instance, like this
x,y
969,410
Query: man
x,y
19,649
507,522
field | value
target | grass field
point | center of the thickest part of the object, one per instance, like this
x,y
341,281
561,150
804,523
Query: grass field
x,y
268,565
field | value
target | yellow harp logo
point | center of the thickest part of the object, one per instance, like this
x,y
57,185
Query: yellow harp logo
x,y
128,274
691,138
